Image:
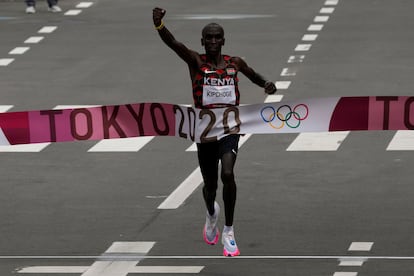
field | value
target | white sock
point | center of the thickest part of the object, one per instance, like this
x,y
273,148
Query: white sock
x,y
228,229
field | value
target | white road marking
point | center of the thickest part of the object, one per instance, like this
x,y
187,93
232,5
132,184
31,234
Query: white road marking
x,y
193,147
34,39
6,61
327,10
315,27
73,12
274,98
24,148
222,16
136,269
47,30
5,108
351,262
116,261
19,50
183,191
207,257
361,246
282,85
288,72
318,141
309,37
53,269
321,18
83,5
345,274
133,144
303,47
189,185
402,140
331,2
296,59
119,267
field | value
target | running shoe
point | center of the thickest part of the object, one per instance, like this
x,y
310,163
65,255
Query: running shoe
x,y
30,9
230,246
210,231
55,8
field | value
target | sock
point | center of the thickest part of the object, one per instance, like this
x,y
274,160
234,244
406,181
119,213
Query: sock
x,y
228,229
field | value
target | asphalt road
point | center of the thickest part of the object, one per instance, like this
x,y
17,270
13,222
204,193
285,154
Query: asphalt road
x,y
68,210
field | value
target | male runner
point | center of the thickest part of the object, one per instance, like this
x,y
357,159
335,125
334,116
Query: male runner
x,y
215,84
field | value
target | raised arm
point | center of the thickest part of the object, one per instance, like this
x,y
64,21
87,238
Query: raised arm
x,y
189,56
269,87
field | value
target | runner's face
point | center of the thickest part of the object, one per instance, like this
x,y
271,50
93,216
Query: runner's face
x,y
213,39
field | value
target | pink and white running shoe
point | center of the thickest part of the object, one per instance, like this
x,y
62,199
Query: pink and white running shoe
x,y
211,232
230,246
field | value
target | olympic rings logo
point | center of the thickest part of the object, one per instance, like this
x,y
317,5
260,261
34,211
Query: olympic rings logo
x,y
285,115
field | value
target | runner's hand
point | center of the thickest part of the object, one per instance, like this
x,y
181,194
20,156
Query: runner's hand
x,y
157,15
270,87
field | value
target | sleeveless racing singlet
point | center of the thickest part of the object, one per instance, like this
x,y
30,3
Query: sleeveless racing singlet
x,y
213,88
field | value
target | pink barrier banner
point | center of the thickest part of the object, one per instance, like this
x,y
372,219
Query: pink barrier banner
x,y
205,125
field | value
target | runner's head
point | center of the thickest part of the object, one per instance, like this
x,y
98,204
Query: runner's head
x,y
212,38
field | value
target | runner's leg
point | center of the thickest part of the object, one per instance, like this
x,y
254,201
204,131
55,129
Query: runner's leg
x,y
229,186
228,152
208,160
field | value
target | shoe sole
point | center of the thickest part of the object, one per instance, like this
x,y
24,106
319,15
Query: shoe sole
x,y
216,238
231,254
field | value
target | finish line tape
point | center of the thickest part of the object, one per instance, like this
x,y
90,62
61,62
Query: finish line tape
x,y
205,125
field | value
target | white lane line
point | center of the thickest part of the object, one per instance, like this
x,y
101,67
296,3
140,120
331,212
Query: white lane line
x,y
121,145
309,37
189,185
288,72
47,30
207,257
402,140
351,262
327,10
193,147
53,269
183,191
130,247
303,47
6,61
315,27
282,85
345,274
318,141
136,269
361,246
34,39
222,16
331,2
73,12
119,267
5,108
19,50
83,5
296,59
120,259
24,147
321,18
167,269
273,98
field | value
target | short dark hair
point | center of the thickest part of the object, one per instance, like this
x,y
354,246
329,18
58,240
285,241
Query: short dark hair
x,y
212,25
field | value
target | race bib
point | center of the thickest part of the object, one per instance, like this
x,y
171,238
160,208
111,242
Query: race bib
x,y
219,95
